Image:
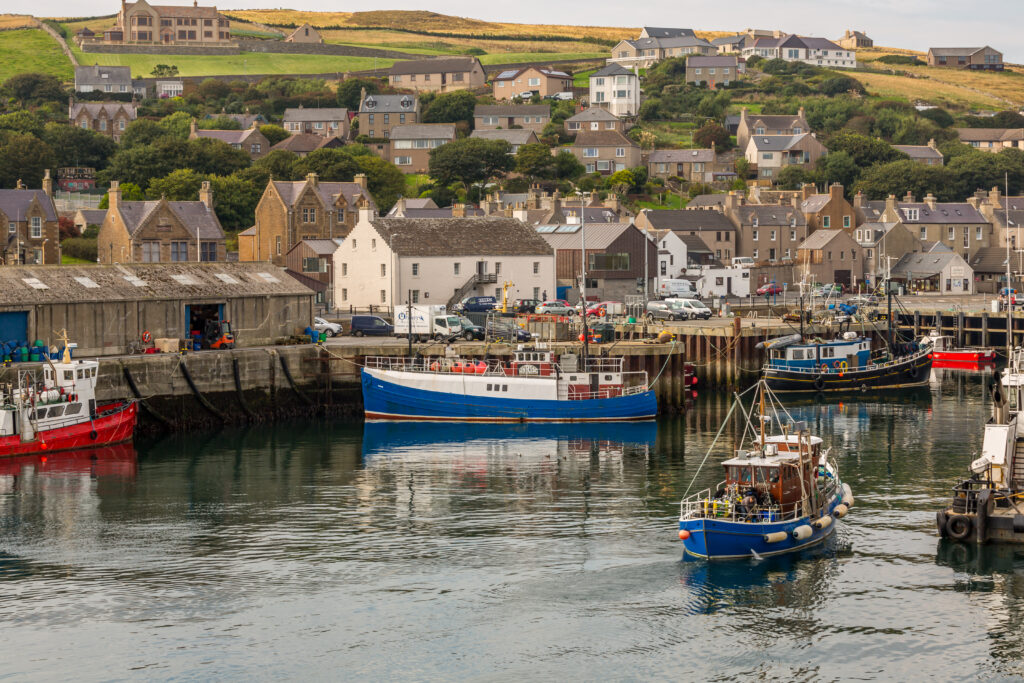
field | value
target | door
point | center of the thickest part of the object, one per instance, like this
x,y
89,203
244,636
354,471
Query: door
x,y
595,384
728,286
481,267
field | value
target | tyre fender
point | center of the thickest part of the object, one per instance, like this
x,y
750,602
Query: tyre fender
x,y
819,382
959,527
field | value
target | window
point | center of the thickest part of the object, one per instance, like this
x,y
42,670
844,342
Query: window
x,y
620,151
846,221
771,254
403,161
277,241
12,228
977,233
754,254
150,252
497,268
208,252
37,227
103,124
924,232
373,245
457,267
344,270
767,156
951,232
415,269
853,254
314,264
344,294
536,268
599,96
830,256
697,71
604,165
842,255
773,236
179,251
415,296
599,81
792,235
533,81
753,235
589,152
256,148
759,131
383,270
309,215
383,296
911,214
353,244
826,222
608,261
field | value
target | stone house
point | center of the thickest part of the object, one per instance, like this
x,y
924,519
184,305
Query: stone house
x,y
769,124
989,266
1005,213
304,143
108,118
831,256
141,23
410,145
766,232
616,89
615,255
713,229
692,165
304,34
593,118
311,262
958,225
769,154
107,79
251,140
984,58
605,151
515,137
388,261
324,121
938,270
828,211
291,211
852,40
529,116
646,52
929,154
535,79
86,217
882,245
160,231
32,233
992,139
441,74
378,114
713,71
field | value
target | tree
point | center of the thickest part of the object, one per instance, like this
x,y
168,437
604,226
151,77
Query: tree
x,y
164,71
181,185
142,163
840,84
712,133
279,164
130,192
451,107
33,88
535,161
470,160
385,182
838,167
67,227
567,166
235,198
23,157
142,132
623,178
273,134
331,165
179,124
213,89
898,177
209,156
221,122
74,146
350,89
22,121
939,116
864,150
982,170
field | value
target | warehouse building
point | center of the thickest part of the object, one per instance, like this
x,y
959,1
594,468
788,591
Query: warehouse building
x,y
106,308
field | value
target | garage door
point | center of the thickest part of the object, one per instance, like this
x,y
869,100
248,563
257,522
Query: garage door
x,y
14,327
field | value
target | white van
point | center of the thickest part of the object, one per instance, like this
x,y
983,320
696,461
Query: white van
x,y
676,288
743,262
691,308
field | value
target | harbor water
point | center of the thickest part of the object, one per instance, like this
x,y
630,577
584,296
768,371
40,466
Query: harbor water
x,y
335,551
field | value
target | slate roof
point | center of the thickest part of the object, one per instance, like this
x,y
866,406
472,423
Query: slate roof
x,y
685,219
444,212
301,114
814,203
612,70
328,192
919,151
15,204
389,104
456,237
695,245
877,231
602,138
660,32
194,215
919,265
702,201
63,287
423,131
512,110
776,143
322,247
954,51
700,61
774,121
93,216
681,156
819,239
593,114
194,11
231,137
675,41
948,212
820,43
94,75
728,40
434,66
770,215
514,136
304,143
989,134
510,74
989,260
93,109
244,120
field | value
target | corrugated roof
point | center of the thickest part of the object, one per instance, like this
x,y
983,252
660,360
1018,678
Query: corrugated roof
x,y
512,110
301,114
433,66
484,236
116,282
596,236
15,204
423,131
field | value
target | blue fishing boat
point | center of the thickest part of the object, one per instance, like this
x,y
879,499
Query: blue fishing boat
x,y
781,494
534,386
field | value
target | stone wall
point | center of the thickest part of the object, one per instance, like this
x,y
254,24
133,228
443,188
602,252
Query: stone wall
x,y
247,45
108,48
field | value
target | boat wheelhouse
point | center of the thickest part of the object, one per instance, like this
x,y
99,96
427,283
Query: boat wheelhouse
x,y
945,352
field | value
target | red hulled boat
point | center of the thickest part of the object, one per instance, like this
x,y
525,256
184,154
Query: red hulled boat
x,y
946,354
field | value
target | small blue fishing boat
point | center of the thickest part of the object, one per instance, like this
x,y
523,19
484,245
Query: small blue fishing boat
x,y
781,494
534,386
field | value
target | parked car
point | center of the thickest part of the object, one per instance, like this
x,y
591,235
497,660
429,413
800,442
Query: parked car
x,y
864,300
476,304
525,305
330,329
769,289
500,330
470,330
691,308
371,325
555,308
831,289
606,308
526,95
660,310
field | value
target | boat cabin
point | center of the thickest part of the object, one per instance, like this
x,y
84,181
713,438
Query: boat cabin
x,y
826,356
773,475
532,362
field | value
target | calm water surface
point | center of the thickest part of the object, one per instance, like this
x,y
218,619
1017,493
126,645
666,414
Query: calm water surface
x,y
326,551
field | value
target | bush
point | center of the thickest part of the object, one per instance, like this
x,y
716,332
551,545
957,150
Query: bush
x,y
899,59
80,247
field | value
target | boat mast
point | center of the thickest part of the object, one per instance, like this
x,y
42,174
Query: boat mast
x,y
583,277
763,388
1009,306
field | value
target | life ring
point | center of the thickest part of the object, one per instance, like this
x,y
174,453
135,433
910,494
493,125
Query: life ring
x,y
824,367
146,337
819,382
435,366
600,313
843,366
959,527
836,364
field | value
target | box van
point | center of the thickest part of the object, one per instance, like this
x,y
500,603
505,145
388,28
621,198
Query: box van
x,y
370,325
743,262
691,308
677,288
426,321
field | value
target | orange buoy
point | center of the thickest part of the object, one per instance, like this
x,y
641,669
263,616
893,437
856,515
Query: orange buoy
x,y
581,336
683,534
42,445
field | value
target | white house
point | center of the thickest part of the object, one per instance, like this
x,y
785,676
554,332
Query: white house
x,y
439,260
616,89
716,282
793,48
671,255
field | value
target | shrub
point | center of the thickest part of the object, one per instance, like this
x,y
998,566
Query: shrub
x,y
899,59
80,247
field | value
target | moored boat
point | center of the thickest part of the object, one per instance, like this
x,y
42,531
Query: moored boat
x,y
535,386
945,353
781,494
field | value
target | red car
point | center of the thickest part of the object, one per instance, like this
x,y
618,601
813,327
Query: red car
x,y
769,289
601,309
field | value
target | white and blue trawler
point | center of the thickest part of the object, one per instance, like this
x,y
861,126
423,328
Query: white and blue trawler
x,y
781,493
534,386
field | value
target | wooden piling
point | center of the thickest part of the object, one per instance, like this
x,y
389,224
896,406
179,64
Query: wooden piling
x,y
984,328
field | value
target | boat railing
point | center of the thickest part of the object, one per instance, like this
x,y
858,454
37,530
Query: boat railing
x,y
602,365
435,364
831,369
729,507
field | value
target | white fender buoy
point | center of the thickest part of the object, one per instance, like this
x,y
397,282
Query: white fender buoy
x,y
840,510
847,496
802,532
775,537
822,522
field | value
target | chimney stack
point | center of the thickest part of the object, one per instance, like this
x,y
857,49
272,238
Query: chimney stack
x,y
399,210
366,212
313,179
835,191
114,195
890,205
360,180
930,201
909,197
458,210
206,195
48,184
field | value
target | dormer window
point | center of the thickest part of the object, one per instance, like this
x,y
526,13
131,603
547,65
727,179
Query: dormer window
x,y
911,214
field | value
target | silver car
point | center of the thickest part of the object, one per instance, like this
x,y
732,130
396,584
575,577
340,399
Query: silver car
x,y
554,308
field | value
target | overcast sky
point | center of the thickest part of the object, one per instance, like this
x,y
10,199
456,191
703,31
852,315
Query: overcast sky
x,y
916,24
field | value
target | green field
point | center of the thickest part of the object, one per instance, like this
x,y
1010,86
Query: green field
x,y
582,79
665,200
245,63
514,57
32,50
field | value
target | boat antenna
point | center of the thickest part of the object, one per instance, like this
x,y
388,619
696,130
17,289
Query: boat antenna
x,y
1009,287
583,277
762,389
